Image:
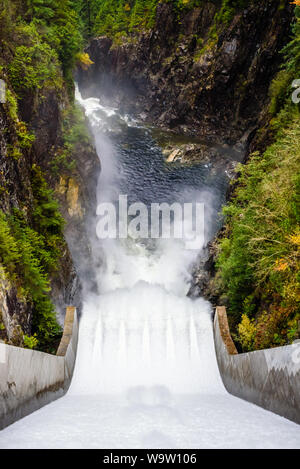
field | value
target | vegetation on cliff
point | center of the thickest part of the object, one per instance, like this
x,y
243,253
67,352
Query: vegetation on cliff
x,y
29,253
258,264
120,18
39,39
41,42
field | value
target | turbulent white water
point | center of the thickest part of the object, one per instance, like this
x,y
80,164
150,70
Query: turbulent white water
x,y
145,337
142,332
146,374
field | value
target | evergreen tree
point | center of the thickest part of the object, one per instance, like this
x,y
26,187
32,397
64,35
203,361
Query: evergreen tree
x,y
87,11
43,10
115,17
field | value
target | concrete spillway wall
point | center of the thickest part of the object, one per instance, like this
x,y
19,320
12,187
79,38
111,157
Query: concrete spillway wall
x,y
269,378
30,379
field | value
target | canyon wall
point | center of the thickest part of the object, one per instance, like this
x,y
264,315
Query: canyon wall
x,y
28,171
192,75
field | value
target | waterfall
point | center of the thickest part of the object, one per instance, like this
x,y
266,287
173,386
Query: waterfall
x,y
146,374
142,332
148,337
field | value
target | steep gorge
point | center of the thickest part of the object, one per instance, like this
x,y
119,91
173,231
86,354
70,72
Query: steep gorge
x,y
221,72
203,69
193,72
46,156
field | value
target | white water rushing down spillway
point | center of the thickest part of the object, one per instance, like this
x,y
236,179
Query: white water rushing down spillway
x,y
145,341
142,336
146,374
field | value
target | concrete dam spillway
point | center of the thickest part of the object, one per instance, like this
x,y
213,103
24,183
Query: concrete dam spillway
x,y
146,374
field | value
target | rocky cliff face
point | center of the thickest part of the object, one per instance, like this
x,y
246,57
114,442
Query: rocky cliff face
x,y
192,75
199,76
74,187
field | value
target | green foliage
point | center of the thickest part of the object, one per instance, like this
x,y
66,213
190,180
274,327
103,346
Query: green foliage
x,y
22,138
228,10
30,342
74,126
62,24
63,161
34,67
259,261
143,15
74,133
24,255
43,10
87,11
30,252
47,220
281,88
9,250
292,50
247,333
12,106
40,44
25,139
70,43
40,38
121,17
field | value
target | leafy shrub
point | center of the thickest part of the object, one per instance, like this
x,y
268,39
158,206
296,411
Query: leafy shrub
x,y
12,106
281,89
9,249
30,342
260,258
74,133
74,127
41,40
83,60
30,254
246,333
34,67
120,17
25,139
47,220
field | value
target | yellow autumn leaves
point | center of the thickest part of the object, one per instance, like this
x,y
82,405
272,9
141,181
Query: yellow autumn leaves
x,y
281,265
84,61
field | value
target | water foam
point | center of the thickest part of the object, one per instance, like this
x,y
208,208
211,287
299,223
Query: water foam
x,y
145,337
146,373
142,331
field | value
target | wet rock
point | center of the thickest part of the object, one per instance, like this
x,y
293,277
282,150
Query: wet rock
x,y
215,158
174,156
15,312
211,88
42,110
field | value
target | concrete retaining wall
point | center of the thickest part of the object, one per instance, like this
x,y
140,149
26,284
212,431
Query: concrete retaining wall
x,y
269,378
31,379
